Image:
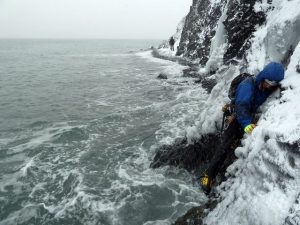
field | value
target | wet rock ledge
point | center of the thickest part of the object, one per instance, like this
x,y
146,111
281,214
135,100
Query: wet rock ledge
x,y
195,215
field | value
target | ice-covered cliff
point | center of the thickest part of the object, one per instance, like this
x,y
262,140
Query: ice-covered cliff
x,y
229,36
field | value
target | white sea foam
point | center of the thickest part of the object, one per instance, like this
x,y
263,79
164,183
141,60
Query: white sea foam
x,y
102,103
148,56
184,113
185,109
107,55
42,136
171,68
158,222
37,187
27,166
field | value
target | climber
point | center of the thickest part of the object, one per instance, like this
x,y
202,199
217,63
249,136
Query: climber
x,y
171,43
250,93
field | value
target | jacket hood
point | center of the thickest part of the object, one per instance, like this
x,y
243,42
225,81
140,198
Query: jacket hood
x,y
273,71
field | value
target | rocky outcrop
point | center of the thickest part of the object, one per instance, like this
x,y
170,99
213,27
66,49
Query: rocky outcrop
x,y
201,24
162,76
195,215
240,24
226,38
199,29
210,26
190,156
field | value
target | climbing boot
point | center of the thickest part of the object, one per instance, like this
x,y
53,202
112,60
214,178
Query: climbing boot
x,y
205,183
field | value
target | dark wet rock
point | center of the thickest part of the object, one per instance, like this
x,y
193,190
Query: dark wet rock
x,y
194,157
298,68
199,29
293,147
185,155
162,76
240,24
208,84
195,215
287,57
293,219
192,72
291,160
199,81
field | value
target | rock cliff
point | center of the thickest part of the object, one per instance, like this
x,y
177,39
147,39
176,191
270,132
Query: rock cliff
x,y
226,37
238,19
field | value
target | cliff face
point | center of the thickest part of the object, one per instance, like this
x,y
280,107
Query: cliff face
x,y
236,17
199,29
226,37
240,24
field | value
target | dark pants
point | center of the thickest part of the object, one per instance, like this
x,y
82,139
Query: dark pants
x,y
228,139
172,47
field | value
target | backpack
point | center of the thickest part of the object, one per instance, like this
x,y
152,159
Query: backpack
x,y
235,83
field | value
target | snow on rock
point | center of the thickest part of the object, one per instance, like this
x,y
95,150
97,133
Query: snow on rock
x,y
265,180
281,32
263,185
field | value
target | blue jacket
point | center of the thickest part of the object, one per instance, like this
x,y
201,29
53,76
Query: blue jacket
x,y
248,95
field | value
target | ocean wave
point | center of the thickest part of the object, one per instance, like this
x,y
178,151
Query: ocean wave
x,y
103,55
58,132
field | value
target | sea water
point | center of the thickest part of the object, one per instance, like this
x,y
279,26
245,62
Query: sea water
x,y
80,122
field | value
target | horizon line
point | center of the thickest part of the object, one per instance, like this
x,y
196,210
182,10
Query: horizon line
x,y
75,38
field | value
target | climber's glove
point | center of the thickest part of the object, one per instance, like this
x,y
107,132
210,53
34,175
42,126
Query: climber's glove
x,y
249,128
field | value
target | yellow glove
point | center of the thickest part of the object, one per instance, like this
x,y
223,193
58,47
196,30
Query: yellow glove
x,y
249,128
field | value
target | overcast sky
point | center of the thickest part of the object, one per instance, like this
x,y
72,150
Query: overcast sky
x,y
146,19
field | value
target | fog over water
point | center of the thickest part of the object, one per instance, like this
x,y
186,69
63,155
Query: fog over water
x,y
146,19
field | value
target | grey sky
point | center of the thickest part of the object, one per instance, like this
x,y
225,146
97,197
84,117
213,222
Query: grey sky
x,y
91,18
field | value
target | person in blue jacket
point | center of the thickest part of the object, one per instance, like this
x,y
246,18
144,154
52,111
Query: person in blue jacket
x,y
249,95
